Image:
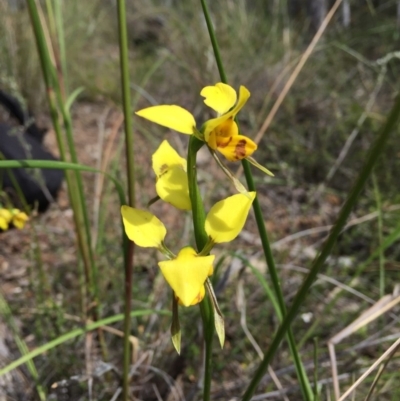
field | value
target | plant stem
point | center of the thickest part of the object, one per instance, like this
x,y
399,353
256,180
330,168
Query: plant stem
x,y
380,237
301,373
206,310
49,76
123,48
214,42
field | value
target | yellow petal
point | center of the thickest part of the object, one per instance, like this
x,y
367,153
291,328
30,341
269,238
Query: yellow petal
x,y
210,125
172,187
234,148
166,156
196,300
6,215
143,228
170,116
186,275
3,223
220,97
19,219
226,218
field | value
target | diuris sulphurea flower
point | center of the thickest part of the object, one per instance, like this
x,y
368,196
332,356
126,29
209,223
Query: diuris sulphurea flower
x,y
221,133
187,272
223,223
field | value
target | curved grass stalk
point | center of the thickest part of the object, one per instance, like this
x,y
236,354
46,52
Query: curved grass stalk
x,y
374,152
63,166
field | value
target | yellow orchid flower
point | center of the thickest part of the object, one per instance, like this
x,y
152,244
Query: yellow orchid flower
x,y
187,272
172,182
5,219
221,133
19,218
12,216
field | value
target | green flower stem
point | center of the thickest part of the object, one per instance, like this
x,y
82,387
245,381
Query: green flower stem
x,y
130,170
301,373
214,42
199,215
201,237
371,158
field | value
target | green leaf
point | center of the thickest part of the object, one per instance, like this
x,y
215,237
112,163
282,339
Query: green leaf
x,y
218,318
175,326
72,97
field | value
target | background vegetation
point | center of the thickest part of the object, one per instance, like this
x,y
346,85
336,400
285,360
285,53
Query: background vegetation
x,y
342,95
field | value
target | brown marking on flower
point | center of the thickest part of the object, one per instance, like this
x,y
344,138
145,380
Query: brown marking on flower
x,y
198,298
223,144
240,149
163,169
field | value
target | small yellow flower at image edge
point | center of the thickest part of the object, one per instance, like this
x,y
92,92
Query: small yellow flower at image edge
x,y
14,217
5,219
19,218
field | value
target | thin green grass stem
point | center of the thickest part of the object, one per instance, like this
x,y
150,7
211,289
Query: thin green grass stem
x,y
375,150
198,213
83,214
301,373
316,390
214,42
380,237
57,77
58,15
130,171
51,82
